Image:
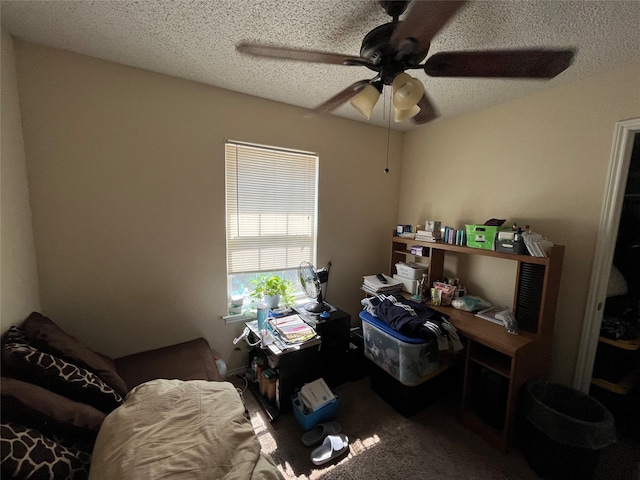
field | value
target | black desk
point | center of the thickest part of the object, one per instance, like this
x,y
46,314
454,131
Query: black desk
x,y
325,358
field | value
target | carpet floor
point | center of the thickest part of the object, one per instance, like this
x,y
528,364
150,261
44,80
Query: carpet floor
x,y
432,444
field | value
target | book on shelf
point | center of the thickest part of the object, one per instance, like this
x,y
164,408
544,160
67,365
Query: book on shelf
x,y
293,328
423,238
428,233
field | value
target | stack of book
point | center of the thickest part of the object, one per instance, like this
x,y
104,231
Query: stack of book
x,y
428,235
431,233
373,285
293,329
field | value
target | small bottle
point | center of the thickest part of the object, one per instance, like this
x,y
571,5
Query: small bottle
x,y
246,300
222,366
423,288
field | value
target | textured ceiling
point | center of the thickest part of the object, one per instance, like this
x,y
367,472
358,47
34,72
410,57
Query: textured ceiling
x,y
196,39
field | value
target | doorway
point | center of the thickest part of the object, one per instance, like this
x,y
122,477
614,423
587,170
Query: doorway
x,y
617,250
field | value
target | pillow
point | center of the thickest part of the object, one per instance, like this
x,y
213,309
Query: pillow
x,y
56,374
50,413
617,285
28,454
48,337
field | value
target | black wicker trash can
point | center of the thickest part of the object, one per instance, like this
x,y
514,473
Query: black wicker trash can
x,y
563,431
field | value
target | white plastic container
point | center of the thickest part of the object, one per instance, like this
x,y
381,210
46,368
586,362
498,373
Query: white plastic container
x,y
411,270
409,360
408,285
222,366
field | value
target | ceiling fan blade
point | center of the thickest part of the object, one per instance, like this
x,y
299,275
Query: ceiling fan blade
x,y
500,63
427,111
285,53
425,19
342,97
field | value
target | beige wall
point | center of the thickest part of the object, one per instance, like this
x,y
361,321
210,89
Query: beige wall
x,y
126,177
126,171
540,160
19,294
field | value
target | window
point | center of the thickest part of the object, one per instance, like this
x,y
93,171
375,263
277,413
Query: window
x,y
271,213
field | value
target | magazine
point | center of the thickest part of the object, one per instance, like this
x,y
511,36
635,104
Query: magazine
x,y
293,328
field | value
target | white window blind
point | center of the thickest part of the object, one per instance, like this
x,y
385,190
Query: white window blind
x,y
271,208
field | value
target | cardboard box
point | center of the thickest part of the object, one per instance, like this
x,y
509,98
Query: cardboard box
x,y
482,236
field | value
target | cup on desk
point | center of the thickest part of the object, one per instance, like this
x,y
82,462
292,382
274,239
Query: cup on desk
x,y
262,314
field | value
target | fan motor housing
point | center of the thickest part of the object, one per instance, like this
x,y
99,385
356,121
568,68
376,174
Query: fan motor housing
x,y
377,50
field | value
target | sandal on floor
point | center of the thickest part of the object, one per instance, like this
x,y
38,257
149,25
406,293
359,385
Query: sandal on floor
x,y
316,435
332,447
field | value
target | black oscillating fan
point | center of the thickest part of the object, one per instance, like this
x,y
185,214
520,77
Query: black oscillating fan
x,y
311,281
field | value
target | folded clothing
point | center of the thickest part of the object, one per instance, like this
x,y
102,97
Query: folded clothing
x,y
413,319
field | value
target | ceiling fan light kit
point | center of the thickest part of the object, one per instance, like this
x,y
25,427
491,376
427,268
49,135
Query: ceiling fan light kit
x,y
406,114
365,101
394,47
407,91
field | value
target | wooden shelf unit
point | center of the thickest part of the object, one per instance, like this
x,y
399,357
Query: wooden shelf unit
x,y
515,358
624,386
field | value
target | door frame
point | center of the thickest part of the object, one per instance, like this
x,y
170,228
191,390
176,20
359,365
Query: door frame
x,y
623,137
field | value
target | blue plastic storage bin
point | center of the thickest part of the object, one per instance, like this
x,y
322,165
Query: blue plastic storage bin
x,y
409,360
309,420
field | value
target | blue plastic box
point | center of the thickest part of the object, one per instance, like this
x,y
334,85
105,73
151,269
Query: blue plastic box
x,y
309,420
410,360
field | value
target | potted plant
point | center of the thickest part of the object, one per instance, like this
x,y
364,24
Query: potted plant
x,y
271,289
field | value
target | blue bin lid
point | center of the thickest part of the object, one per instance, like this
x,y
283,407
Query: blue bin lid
x,y
380,325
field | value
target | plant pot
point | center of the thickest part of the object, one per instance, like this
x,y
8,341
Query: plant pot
x,y
271,301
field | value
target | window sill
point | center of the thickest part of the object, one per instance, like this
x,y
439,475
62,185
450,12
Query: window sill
x,y
238,318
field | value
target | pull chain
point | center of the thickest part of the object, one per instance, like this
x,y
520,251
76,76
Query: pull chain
x,y
386,170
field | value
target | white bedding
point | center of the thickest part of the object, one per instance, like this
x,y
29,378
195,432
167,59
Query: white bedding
x,y
171,429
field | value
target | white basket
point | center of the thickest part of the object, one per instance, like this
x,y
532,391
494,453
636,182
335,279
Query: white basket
x,y
412,271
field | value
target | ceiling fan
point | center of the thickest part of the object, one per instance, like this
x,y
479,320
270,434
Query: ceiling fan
x,y
392,48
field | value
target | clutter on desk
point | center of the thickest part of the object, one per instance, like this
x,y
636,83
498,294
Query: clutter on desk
x,y
492,314
510,323
500,316
410,274
292,328
470,303
413,319
411,270
372,284
442,293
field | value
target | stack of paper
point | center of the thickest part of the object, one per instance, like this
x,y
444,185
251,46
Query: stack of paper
x,y
536,244
316,394
293,328
373,285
